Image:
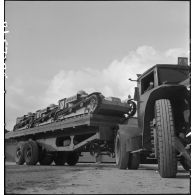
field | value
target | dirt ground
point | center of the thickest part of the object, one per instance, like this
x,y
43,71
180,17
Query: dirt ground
x,y
90,178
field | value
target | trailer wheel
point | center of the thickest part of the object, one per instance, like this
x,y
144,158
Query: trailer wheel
x,y
46,159
121,155
31,153
72,158
166,153
19,153
134,160
60,158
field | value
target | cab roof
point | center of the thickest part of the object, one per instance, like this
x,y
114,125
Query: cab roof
x,y
165,66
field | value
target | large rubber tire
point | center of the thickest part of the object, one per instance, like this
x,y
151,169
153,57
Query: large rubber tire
x,y
46,159
121,156
60,158
31,153
73,158
19,153
134,160
166,153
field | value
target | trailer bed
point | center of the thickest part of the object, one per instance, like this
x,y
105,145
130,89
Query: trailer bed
x,y
73,122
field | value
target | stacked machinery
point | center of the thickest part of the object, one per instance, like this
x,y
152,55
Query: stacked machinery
x,y
81,103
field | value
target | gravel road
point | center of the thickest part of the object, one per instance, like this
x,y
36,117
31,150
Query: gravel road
x,y
90,178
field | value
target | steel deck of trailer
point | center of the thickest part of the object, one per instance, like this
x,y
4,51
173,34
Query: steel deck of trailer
x,y
93,120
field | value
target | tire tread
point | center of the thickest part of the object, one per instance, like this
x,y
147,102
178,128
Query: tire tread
x,y
167,161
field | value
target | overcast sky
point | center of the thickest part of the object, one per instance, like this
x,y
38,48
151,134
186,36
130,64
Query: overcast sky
x,y
58,48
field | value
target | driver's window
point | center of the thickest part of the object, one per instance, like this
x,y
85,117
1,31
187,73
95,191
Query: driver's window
x,y
147,83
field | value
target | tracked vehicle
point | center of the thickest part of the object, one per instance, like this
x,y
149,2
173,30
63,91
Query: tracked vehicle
x,y
79,104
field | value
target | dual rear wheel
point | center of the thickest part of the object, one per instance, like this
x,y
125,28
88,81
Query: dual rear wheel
x,y
71,158
30,153
45,158
27,152
19,153
123,158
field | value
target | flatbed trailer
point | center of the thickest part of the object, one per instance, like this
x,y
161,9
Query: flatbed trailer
x,y
65,139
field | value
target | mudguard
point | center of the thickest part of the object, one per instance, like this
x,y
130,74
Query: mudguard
x,y
175,93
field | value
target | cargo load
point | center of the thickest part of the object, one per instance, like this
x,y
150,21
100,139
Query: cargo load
x,y
81,103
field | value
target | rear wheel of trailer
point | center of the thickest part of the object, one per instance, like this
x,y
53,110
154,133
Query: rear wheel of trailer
x,y
72,158
46,158
60,158
31,153
19,153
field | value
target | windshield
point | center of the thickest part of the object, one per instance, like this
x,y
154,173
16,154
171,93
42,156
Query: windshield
x,y
172,75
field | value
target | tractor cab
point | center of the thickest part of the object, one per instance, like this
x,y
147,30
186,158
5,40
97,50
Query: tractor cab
x,y
162,74
163,120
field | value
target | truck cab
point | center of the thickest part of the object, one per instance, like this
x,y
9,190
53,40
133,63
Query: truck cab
x,y
162,81
163,121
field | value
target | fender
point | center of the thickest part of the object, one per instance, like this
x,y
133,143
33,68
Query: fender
x,y
175,93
